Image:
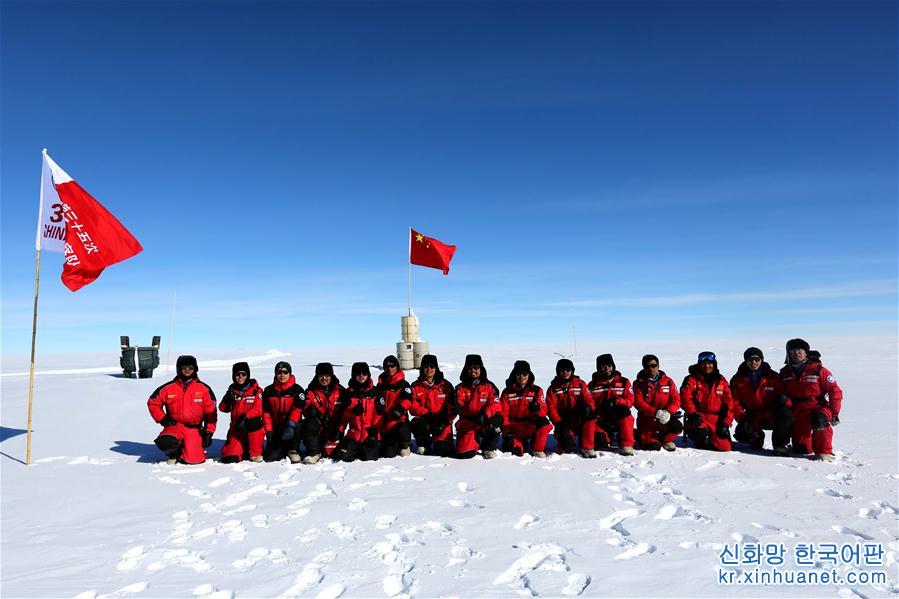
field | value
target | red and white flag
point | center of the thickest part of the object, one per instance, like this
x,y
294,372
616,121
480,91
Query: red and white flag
x,y
427,251
72,222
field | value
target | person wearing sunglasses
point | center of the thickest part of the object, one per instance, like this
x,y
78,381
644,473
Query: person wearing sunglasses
x,y
433,415
480,418
282,405
397,395
607,412
185,407
243,400
658,403
364,414
324,416
524,413
816,399
760,404
708,405
565,400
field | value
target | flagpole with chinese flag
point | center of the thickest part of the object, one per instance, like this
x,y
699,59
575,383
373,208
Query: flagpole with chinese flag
x,y
71,222
430,252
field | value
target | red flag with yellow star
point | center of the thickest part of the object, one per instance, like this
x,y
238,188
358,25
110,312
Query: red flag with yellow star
x,y
427,251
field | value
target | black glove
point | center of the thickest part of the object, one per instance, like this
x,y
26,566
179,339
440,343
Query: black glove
x,y
495,423
290,430
587,412
241,423
167,421
358,409
253,424
207,437
722,430
693,420
835,420
454,409
372,432
396,414
534,407
312,411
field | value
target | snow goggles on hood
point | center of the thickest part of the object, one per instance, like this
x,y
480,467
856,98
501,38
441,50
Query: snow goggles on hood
x,y
707,356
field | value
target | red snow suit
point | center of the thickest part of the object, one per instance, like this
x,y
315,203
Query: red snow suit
x,y
565,401
756,403
812,388
524,417
611,401
191,405
430,401
477,403
369,422
329,403
397,393
713,402
282,402
650,397
244,404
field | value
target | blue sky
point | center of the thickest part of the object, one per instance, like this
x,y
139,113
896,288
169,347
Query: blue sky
x,y
647,170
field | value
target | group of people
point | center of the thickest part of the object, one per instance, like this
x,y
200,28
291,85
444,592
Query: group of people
x,y
368,419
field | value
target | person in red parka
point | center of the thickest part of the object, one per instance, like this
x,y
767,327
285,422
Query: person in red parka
x,y
185,407
324,420
396,392
566,398
432,400
816,399
608,409
524,413
282,403
364,411
658,404
243,400
705,396
480,418
760,404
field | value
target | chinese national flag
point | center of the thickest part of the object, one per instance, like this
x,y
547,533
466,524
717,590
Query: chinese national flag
x,y
72,222
427,251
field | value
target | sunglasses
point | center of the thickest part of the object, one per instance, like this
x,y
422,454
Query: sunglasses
x,y
241,374
283,372
652,365
753,359
707,356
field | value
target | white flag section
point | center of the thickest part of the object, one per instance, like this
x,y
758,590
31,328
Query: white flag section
x,y
51,225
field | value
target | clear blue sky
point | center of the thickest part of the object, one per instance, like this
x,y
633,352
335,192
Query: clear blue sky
x,y
642,169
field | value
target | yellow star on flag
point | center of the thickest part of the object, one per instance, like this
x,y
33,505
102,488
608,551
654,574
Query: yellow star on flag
x,y
419,237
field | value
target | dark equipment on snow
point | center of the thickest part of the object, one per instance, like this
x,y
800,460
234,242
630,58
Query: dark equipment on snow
x,y
142,360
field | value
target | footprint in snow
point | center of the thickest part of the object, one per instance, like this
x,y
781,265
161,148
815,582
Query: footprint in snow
x,y
460,554
883,505
131,558
310,535
871,514
613,521
539,557
394,584
576,585
182,558
371,483
385,521
526,521
383,471
170,480
220,482
625,499
344,532
840,477
199,493
90,461
852,533
465,487
784,531
463,503
357,505
834,493
331,592
712,464
260,521
339,475
636,551
209,591
741,538
275,556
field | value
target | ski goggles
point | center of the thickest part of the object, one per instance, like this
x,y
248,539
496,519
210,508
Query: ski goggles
x,y
707,356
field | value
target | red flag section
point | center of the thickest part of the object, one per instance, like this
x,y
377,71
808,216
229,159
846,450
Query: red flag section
x,y
427,251
94,239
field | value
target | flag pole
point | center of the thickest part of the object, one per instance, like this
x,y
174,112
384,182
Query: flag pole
x,y
37,279
410,271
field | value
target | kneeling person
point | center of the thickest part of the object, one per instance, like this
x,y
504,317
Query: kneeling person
x,y
243,400
524,413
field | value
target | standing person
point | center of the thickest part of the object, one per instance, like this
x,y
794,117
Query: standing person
x,y
608,409
282,405
432,407
243,400
657,402
760,404
185,407
323,417
480,418
397,394
566,398
707,403
816,398
364,411
524,413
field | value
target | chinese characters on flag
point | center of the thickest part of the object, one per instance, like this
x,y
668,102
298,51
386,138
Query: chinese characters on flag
x,y
72,222
427,251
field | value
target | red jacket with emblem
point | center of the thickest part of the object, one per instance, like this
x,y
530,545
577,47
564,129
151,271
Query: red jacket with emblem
x,y
607,393
564,398
369,421
191,403
477,399
698,395
397,393
329,401
762,396
812,384
282,402
515,402
432,398
652,396
243,402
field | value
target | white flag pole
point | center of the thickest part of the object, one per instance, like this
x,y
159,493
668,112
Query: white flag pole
x,y
37,279
410,271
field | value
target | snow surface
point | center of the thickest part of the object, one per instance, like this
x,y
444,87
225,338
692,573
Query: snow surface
x,y
96,514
